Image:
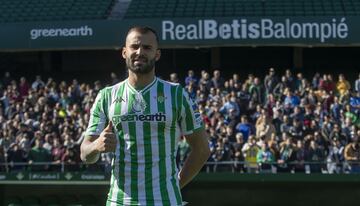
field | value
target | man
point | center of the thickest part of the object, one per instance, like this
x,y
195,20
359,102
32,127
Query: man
x,y
270,81
141,120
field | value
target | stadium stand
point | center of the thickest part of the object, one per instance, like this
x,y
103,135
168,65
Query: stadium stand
x,y
53,10
227,8
256,124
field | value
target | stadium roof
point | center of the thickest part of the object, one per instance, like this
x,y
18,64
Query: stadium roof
x,y
69,10
53,10
231,8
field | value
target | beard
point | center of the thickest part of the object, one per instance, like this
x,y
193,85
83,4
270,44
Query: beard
x,y
143,68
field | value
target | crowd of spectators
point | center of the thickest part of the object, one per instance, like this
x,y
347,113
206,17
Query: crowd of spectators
x,y
276,123
279,122
43,122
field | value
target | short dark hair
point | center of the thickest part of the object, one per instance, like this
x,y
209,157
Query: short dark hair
x,y
143,30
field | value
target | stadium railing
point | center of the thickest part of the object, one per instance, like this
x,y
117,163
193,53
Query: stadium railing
x,y
322,167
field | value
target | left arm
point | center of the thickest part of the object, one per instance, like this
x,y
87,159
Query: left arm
x,y
198,156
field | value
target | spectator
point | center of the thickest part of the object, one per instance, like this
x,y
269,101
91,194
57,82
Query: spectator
x,y
237,152
287,156
265,158
335,157
352,155
174,78
279,89
245,128
270,81
15,156
191,79
316,81
296,130
114,78
230,103
223,153
264,127
342,87
3,167
38,155
357,84
301,156
256,91
183,151
38,83
316,156
205,81
217,80
250,150
291,99
70,160
327,83
7,79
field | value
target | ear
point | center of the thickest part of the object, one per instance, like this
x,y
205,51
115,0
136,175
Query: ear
x,y
123,52
158,54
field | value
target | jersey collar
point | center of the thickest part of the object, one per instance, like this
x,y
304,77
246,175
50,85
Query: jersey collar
x,y
142,90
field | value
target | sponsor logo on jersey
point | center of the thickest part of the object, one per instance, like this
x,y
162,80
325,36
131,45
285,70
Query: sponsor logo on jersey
x,y
157,117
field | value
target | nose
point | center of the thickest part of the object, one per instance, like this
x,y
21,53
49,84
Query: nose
x,y
139,51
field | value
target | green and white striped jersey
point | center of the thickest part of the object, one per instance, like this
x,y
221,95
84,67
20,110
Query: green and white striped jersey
x,y
148,124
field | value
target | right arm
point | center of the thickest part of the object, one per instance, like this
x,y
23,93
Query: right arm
x,y
92,146
89,153
97,138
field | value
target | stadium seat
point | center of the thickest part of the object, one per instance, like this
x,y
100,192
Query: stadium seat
x,y
69,200
88,200
50,200
50,10
31,201
13,201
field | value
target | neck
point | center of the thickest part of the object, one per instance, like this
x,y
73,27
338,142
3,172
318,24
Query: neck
x,y
139,81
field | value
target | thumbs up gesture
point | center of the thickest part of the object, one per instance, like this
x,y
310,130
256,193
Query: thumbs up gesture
x,y
106,142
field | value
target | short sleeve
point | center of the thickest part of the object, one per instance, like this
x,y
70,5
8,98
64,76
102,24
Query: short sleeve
x,y
98,118
190,117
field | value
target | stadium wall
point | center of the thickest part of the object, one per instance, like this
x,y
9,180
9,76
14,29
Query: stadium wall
x,y
219,189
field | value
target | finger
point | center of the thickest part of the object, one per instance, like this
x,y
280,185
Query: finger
x,y
109,127
109,135
110,148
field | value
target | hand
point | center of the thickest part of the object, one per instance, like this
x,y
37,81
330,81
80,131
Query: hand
x,y
106,142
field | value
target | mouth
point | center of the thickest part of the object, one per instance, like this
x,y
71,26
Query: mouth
x,y
139,61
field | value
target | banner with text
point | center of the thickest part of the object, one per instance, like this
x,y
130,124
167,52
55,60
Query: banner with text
x,y
53,176
185,32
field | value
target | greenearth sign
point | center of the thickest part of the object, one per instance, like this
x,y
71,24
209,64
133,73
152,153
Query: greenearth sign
x,y
185,32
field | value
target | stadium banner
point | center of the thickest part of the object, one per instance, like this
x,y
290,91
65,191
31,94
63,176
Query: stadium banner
x,y
185,32
53,176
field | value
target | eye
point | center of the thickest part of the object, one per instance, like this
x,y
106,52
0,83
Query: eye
x,y
147,47
134,46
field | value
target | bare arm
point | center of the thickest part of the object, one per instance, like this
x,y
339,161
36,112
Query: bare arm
x,y
198,156
89,153
92,146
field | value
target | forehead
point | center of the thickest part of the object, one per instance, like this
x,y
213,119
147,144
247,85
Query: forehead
x,y
135,37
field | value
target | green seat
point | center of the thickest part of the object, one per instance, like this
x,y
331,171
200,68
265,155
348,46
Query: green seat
x,y
69,200
50,200
13,201
31,201
88,200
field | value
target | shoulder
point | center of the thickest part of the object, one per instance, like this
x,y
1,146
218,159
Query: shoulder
x,y
111,89
168,82
176,86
